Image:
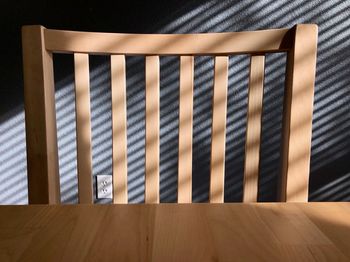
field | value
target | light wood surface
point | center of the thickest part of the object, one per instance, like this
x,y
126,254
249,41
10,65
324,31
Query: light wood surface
x,y
152,130
83,119
185,232
184,192
252,143
218,130
273,40
297,119
40,118
119,137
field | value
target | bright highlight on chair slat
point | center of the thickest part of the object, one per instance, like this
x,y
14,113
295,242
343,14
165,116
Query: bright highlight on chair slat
x,y
218,130
152,130
119,135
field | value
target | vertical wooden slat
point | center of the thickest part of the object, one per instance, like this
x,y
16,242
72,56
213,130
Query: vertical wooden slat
x,y
82,97
152,130
120,173
185,130
252,146
297,115
217,161
40,118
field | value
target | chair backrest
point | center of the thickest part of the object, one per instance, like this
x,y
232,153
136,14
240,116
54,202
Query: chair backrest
x,y
299,42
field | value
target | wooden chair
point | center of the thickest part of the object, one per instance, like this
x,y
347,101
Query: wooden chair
x,y
39,43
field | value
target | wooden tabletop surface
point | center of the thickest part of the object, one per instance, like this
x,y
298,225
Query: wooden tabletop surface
x,y
173,232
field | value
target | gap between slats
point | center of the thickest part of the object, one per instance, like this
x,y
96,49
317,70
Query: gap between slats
x,y
185,130
253,134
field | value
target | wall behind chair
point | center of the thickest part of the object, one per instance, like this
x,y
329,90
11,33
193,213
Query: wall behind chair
x,y
330,171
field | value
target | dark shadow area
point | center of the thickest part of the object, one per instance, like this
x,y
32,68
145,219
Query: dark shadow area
x,y
202,116
237,105
169,127
271,133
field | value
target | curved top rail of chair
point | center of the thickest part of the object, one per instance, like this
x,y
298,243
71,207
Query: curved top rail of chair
x,y
274,40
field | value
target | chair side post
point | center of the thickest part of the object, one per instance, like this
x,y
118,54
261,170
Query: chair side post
x,y
40,118
297,115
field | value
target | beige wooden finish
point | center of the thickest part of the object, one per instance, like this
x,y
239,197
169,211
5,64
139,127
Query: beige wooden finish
x,y
152,130
252,147
166,44
218,130
40,118
194,232
39,43
120,165
82,97
297,120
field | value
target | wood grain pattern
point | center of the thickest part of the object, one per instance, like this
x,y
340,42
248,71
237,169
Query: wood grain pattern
x,y
83,119
184,192
152,130
252,146
119,137
167,232
218,130
297,115
40,118
167,44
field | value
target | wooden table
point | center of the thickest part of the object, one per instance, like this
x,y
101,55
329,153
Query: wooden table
x,y
172,232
